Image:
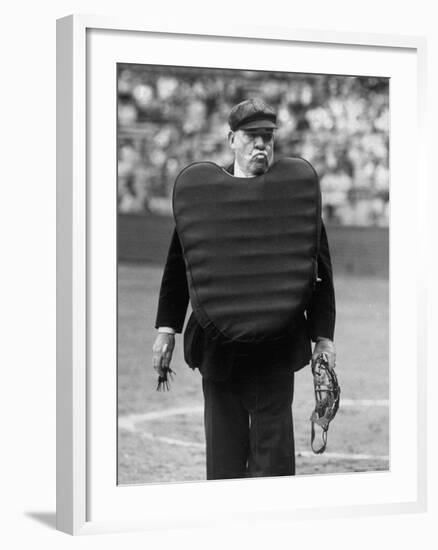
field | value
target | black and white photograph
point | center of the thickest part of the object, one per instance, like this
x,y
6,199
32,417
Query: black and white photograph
x,y
253,215
218,278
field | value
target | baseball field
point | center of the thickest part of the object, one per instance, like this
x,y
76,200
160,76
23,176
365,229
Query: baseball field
x,y
160,436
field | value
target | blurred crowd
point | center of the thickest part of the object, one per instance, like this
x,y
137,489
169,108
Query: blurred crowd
x,y
169,117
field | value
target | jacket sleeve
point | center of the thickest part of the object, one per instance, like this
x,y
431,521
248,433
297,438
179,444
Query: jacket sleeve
x,y
174,294
321,313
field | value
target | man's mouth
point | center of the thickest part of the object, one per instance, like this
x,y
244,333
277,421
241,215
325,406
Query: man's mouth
x,y
260,156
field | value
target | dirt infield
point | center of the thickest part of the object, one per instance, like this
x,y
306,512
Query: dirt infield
x,y
161,434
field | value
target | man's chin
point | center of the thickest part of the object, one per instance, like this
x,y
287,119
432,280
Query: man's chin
x,y
259,167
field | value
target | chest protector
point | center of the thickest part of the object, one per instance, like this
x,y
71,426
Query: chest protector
x,y
250,246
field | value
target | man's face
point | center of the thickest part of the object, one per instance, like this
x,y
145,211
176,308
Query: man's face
x,y
253,149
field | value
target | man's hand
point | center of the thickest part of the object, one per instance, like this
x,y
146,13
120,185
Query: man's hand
x,y
162,352
324,345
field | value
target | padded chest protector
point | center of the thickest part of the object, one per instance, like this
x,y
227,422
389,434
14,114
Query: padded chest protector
x,y
250,247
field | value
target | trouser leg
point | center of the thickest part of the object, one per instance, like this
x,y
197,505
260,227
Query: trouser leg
x,y
268,397
226,429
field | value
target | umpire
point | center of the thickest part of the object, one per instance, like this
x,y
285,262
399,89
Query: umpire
x,y
248,383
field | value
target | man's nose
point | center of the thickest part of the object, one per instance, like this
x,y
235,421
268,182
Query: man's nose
x,y
259,142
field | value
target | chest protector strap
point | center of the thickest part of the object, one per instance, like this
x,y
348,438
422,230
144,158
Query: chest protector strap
x,y
250,247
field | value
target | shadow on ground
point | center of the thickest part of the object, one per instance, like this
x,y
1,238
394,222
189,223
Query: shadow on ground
x,y
46,518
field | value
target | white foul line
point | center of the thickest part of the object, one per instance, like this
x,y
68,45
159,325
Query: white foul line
x,y
305,454
363,403
129,423
343,456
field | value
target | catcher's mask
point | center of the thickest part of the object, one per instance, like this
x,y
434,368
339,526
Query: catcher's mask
x,y
327,394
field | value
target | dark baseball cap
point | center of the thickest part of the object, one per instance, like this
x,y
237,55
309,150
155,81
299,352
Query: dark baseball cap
x,y
250,114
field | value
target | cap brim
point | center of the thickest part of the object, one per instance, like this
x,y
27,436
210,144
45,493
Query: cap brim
x,y
261,123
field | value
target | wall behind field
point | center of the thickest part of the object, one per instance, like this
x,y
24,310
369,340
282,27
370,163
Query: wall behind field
x,y
355,250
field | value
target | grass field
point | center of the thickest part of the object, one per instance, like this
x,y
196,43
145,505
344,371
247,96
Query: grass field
x,y
161,434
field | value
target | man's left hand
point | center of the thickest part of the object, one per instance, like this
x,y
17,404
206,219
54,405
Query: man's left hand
x,y
325,345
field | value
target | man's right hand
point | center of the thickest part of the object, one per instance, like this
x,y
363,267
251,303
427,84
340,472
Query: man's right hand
x,y
162,351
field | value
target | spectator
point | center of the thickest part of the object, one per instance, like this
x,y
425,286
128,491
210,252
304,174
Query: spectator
x,y
171,116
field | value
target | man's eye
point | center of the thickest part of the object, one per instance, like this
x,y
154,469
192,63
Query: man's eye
x,y
265,137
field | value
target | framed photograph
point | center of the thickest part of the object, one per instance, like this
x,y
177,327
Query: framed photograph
x,y
141,108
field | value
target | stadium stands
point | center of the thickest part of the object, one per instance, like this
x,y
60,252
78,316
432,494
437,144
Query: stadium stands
x,y
171,116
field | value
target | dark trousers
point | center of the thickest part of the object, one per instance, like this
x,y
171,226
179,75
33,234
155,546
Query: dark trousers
x,y
248,423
